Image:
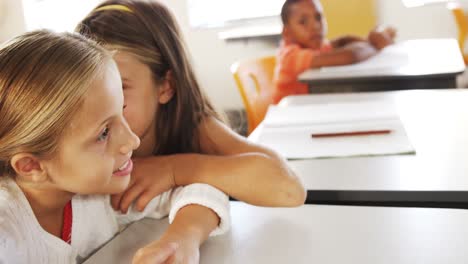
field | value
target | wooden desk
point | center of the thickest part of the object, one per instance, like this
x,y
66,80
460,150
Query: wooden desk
x,y
413,64
318,234
436,122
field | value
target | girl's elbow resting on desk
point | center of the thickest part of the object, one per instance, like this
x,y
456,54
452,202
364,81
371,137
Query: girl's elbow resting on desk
x,y
291,191
292,197
295,195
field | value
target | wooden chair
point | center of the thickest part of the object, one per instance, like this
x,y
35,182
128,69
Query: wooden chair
x,y
254,79
462,25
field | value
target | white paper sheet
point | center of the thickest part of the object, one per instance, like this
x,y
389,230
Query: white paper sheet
x,y
297,142
289,130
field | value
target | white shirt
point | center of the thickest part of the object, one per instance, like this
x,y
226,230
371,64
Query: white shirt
x,y
23,240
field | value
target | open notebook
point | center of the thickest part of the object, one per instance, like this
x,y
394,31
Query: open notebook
x,y
289,130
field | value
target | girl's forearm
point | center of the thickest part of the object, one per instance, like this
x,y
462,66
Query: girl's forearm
x,y
181,241
192,225
361,50
255,178
345,40
349,54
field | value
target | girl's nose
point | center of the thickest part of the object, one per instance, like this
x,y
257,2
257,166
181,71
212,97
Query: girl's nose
x,y
131,142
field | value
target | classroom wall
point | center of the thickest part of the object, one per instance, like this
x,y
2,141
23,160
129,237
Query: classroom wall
x,y
432,21
213,57
11,19
362,13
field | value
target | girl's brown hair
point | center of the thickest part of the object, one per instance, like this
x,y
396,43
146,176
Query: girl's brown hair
x,y
43,79
149,31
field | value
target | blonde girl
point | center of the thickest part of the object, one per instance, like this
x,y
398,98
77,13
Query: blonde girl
x,y
64,145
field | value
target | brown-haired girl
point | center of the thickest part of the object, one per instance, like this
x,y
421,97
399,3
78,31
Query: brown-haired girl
x,y
183,140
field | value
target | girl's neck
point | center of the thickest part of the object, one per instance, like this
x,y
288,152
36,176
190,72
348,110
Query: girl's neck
x,y
48,204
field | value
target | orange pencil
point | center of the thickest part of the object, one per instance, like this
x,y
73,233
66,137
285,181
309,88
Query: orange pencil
x,y
354,133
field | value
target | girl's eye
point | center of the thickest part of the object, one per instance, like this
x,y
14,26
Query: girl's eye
x,y
104,134
318,17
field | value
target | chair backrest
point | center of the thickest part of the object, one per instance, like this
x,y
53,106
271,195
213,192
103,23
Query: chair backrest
x,y
462,25
254,79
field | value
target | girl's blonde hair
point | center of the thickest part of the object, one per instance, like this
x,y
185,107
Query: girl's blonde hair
x,y
44,77
148,30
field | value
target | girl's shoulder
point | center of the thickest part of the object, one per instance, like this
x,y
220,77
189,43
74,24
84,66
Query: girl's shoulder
x,y
10,197
94,222
10,222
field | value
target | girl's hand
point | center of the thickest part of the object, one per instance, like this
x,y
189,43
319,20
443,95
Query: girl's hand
x,y
155,254
381,37
390,32
151,177
168,253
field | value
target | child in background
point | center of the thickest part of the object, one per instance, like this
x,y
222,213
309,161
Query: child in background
x,y
64,143
304,46
183,140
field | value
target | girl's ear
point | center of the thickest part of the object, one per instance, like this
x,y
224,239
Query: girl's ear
x,y
28,168
166,91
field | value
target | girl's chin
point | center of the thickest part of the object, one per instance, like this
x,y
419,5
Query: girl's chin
x,y
119,185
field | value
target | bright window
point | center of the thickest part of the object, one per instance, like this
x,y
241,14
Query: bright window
x,y
57,15
218,13
415,3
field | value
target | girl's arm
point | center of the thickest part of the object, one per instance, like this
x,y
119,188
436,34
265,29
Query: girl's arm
x,y
348,54
181,241
194,211
379,38
242,169
342,41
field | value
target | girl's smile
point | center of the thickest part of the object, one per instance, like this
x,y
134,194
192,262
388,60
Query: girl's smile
x,y
124,170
